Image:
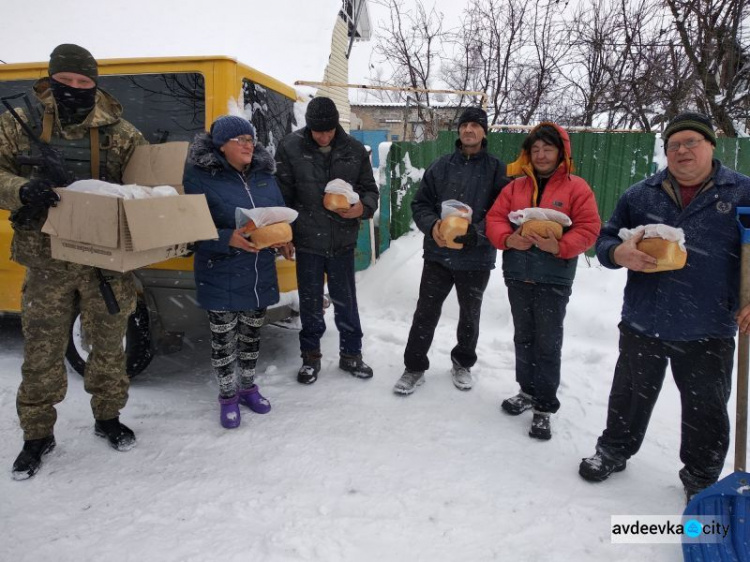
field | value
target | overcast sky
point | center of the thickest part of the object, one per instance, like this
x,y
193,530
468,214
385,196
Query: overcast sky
x,y
289,39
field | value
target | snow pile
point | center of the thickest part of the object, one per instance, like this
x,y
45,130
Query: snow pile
x,y
344,470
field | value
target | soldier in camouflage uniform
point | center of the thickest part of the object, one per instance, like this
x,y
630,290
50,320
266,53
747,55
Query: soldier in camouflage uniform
x,y
72,115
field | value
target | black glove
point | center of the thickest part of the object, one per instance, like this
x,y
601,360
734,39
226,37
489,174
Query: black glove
x,y
39,194
469,240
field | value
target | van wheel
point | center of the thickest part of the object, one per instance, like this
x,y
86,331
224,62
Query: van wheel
x,y
137,343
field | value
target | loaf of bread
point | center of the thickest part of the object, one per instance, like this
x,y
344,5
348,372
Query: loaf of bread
x,y
335,201
453,226
265,236
669,256
541,227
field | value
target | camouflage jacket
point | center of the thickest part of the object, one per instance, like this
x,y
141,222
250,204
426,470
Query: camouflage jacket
x,y
30,247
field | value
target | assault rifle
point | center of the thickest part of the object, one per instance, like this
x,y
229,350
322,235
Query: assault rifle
x,y
50,160
51,163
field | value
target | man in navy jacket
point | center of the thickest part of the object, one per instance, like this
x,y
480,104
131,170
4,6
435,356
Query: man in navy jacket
x,y
685,317
474,177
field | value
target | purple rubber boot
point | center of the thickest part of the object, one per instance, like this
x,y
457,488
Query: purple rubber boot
x,y
230,412
252,398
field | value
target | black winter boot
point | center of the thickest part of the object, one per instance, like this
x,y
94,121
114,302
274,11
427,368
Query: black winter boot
x,y
308,372
599,467
518,404
120,436
354,365
540,426
30,459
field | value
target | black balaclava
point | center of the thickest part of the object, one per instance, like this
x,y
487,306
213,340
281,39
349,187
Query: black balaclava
x,y
73,104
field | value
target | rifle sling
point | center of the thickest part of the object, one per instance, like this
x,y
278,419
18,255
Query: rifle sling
x,y
94,134
47,122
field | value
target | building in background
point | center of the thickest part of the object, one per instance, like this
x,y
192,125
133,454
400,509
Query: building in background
x,y
404,120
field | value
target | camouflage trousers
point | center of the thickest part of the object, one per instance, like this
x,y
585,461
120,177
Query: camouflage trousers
x,y
48,308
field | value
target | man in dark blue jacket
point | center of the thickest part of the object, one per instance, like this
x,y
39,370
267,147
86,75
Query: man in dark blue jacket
x,y
325,240
684,317
473,176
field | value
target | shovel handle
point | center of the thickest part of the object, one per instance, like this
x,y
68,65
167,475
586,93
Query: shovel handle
x,y
743,358
743,345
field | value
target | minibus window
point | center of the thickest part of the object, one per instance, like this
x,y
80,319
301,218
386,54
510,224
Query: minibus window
x,y
164,107
272,113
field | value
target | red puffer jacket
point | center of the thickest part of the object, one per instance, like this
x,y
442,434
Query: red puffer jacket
x,y
564,192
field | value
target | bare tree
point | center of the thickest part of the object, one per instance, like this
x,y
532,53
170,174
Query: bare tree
x,y
591,61
410,43
537,74
617,63
710,34
488,49
637,86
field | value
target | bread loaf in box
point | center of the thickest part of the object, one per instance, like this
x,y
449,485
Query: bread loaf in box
x,y
453,226
541,227
265,236
669,256
335,201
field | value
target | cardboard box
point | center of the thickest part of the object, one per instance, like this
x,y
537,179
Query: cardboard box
x,y
157,164
125,234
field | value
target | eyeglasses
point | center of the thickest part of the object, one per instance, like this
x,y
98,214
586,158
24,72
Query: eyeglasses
x,y
244,141
689,144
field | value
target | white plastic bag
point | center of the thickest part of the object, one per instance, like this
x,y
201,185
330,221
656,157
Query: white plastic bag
x,y
655,231
342,187
454,207
536,213
263,216
131,191
163,191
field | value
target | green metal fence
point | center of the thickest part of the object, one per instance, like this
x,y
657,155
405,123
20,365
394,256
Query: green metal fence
x,y
612,162
734,153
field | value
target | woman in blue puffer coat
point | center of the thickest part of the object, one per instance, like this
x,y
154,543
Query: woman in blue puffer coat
x,y
235,282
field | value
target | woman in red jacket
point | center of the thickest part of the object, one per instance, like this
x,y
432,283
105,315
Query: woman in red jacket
x,y
538,269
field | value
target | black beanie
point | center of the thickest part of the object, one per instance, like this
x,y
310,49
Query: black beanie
x,y
321,114
72,58
474,115
691,121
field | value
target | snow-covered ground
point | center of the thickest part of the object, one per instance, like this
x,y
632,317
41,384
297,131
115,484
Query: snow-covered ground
x,y
344,470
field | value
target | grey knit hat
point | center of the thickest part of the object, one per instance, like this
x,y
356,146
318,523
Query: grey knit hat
x,y
72,58
691,121
321,114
